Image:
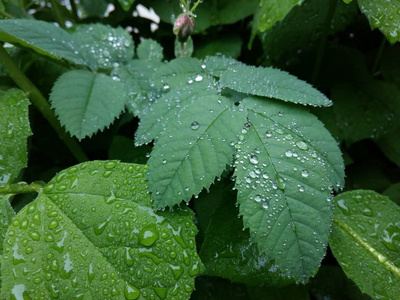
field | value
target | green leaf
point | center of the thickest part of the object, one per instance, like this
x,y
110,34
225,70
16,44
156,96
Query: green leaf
x,y
6,216
229,45
104,47
179,71
126,4
92,233
217,65
274,83
165,108
94,8
14,131
365,240
196,148
286,164
384,15
367,111
86,102
268,13
149,49
42,37
137,79
302,29
393,192
226,251
390,145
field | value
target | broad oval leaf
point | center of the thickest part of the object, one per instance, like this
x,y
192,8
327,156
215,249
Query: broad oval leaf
x,y
384,15
196,148
92,234
285,165
365,240
104,47
86,102
42,37
273,83
14,131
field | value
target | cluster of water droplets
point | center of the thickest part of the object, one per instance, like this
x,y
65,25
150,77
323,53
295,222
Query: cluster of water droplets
x,y
156,250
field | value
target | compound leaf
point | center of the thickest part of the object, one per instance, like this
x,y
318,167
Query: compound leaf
x,y
285,165
196,149
104,47
14,131
365,240
86,102
42,37
274,83
384,15
92,233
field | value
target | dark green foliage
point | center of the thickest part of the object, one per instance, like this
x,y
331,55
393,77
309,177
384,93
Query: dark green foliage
x,y
274,139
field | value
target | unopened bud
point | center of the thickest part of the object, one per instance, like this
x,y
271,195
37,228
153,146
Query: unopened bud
x,y
183,27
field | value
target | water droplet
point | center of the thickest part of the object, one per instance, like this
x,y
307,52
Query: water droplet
x,y
166,87
391,237
288,153
110,164
254,159
305,173
198,78
343,207
131,292
148,235
258,198
302,145
194,125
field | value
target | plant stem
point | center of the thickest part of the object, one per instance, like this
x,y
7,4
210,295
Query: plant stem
x,y
21,188
6,14
378,56
59,17
322,42
74,9
40,103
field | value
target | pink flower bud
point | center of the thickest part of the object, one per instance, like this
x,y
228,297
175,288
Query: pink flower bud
x,y
183,26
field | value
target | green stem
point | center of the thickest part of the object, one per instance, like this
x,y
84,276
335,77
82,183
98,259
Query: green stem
x,y
378,56
322,42
6,14
40,103
74,9
21,188
59,17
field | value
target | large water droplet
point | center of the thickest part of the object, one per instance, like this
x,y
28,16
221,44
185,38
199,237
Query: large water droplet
x,y
148,235
391,237
254,159
131,292
194,125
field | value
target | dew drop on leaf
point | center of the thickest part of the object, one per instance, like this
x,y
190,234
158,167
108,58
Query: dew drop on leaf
x,y
195,125
254,159
302,145
305,173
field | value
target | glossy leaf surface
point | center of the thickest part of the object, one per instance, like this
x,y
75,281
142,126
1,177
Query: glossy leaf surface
x,y
366,241
92,233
